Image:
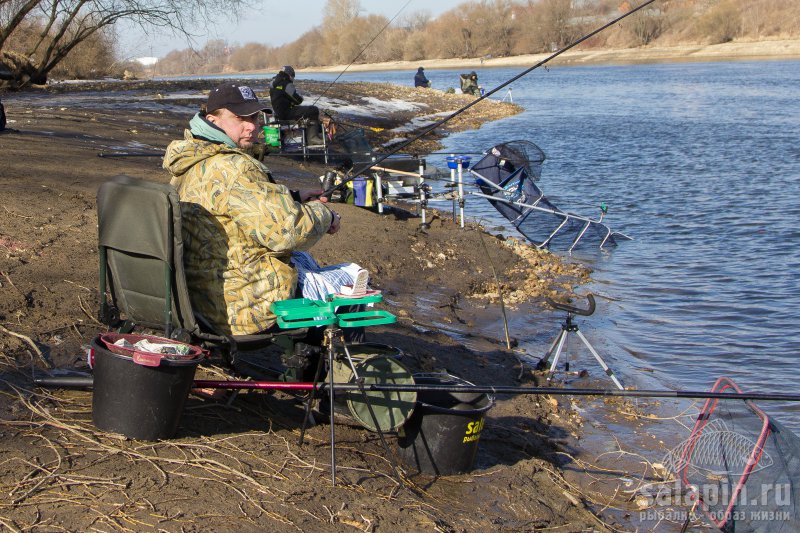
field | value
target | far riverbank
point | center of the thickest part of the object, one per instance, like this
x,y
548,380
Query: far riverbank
x,y
733,51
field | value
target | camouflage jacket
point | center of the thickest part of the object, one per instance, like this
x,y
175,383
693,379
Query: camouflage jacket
x,y
239,231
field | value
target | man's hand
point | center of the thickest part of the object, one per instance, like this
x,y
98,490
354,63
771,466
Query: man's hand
x,y
336,223
308,195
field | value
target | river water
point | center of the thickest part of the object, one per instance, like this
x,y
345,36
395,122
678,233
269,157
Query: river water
x,y
700,164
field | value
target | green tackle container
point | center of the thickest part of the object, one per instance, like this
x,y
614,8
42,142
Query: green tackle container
x,y
272,136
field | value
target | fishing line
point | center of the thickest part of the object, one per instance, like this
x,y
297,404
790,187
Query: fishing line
x,y
361,52
499,293
486,95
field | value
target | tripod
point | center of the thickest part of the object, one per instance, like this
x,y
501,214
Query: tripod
x,y
332,334
570,327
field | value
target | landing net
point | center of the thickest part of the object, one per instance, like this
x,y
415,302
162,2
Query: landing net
x,y
740,467
506,177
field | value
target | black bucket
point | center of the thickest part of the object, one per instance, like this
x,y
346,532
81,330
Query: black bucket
x,y
140,395
441,436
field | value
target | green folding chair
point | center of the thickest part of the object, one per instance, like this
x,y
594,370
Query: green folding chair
x,y
142,279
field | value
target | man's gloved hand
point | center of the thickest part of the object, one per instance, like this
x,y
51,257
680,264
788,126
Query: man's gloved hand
x,y
302,356
308,195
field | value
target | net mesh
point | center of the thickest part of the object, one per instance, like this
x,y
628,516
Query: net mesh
x,y
740,466
506,175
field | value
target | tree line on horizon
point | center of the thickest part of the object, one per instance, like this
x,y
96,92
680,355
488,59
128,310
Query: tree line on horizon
x,y
76,38
494,28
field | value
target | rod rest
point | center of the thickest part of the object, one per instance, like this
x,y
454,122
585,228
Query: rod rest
x,y
572,309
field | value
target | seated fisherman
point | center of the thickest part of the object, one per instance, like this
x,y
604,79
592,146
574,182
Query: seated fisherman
x,y
420,80
286,100
286,103
469,84
240,227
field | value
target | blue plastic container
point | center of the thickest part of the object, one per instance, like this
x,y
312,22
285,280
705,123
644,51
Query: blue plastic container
x,y
452,161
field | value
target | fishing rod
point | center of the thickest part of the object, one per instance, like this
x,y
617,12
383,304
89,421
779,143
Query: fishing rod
x,y
87,381
487,95
451,153
131,154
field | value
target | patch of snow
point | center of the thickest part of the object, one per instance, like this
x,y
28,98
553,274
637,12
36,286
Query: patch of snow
x,y
417,123
393,141
370,106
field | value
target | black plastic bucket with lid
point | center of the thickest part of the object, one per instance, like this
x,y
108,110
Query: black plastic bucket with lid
x,y
441,436
140,394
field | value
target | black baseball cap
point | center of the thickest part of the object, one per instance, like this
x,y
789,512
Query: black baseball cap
x,y
238,99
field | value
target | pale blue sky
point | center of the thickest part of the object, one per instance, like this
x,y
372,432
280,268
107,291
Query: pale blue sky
x,y
270,22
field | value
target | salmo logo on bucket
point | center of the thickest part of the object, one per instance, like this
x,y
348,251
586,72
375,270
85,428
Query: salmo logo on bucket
x,y
473,431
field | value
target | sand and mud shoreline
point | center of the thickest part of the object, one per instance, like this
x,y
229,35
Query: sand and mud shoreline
x,y
237,466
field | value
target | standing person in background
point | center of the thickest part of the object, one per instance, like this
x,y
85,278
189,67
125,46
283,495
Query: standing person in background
x,y
420,80
469,84
286,100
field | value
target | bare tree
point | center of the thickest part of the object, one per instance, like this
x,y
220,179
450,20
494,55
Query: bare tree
x,y
215,56
493,26
415,21
414,47
645,26
469,49
250,56
339,13
64,24
388,46
309,52
555,15
722,23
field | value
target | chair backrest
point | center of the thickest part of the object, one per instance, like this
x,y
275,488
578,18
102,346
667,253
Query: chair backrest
x,y
141,254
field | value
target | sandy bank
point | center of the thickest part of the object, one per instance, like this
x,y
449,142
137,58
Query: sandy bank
x,y
733,51
238,466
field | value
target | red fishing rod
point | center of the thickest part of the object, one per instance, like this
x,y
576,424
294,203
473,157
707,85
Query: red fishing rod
x,y
87,381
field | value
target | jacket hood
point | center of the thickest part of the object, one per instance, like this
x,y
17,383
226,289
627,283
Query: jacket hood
x,y
184,154
201,127
281,78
